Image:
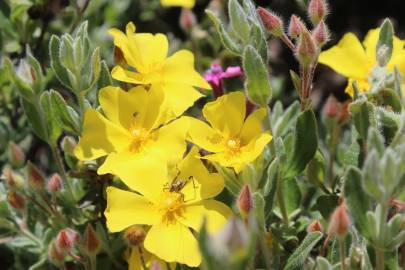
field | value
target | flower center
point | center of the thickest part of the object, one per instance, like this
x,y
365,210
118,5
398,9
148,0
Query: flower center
x,y
140,137
233,146
171,206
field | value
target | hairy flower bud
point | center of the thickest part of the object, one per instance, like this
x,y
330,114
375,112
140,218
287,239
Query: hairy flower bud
x,y
16,154
135,235
317,11
36,180
16,200
339,222
66,239
68,145
331,109
91,241
13,180
321,34
55,255
315,226
187,19
273,23
295,27
25,72
54,183
306,51
245,201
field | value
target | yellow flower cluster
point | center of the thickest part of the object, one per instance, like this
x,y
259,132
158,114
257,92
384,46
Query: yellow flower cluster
x,y
143,137
355,61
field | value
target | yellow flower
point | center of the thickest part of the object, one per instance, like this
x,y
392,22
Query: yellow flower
x,y
129,132
147,55
133,258
352,60
234,141
178,3
172,202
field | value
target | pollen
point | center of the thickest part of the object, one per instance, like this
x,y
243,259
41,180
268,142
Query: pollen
x,y
140,137
233,146
171,206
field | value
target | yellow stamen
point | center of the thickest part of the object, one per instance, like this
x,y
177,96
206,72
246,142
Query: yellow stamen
x,y
140,137
171,206
233,146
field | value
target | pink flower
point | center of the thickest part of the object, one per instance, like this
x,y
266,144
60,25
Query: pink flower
x,y
215,75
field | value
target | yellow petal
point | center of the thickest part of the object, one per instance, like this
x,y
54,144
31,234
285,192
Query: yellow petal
x,y
153,50
347,58
362,84
215,212
126,208
180,97
100,137
227,113
371,40
173,243
179,68
180,3
127,76
135,263
204,136
252,125
201,184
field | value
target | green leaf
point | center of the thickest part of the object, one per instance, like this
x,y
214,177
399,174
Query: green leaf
x,y
305,143
325,204
66,53
257,80
352,154
25,90
285,122
363,113
357,200
291,194
95,66
297,259
238,18
232,183
105,77
34,118
56,65
68,116
296,81
226,39
53,121
38,84
272,173
258,40
386,98
385,41
259,205
316,170
323,264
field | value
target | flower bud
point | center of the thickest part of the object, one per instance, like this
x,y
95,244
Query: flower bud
x,y
321,34
245,201
55,255
68,145
135,235
233,238
25,72
317,11
36,180
400,205
66,239
13,180
339,222
306,51
187,19
16,154
273,23
295,27
91,242
331,109
54,183
315,226
16,200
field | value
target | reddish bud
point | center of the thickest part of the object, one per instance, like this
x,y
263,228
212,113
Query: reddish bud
x,y
54,183
306,51
315,226
68,145
400,205
245,201
66,239
273,23
135,235
295,27
55,255
91,242
187,19
16,154
16,200
321,34
317,11
9,177
36,180
331,109
339,222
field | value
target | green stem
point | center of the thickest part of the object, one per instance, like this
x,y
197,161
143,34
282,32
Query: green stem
x,y
93,262
281,202
270,126
265,250
379,248
62,171
342,253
